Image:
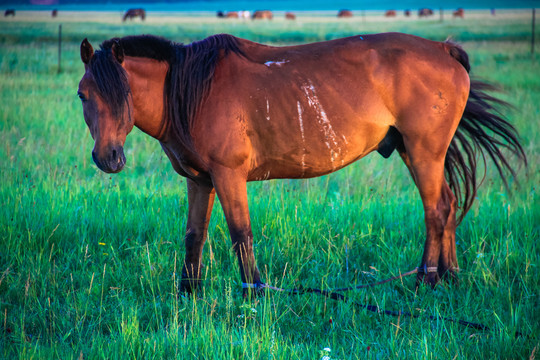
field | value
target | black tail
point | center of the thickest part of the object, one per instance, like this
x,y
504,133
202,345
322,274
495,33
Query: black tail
x,y
482,129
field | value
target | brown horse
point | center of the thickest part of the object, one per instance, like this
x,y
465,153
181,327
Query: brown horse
x,y
227,111
344,13
133,13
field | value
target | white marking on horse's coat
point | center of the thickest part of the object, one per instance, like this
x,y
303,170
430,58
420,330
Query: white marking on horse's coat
x,y
267,110
263,177
301,121
326,127
276,63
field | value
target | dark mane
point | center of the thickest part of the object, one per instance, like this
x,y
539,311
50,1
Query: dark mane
x,y
188,80
148,46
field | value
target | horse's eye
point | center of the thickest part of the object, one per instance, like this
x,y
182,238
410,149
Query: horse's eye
x,y
81,96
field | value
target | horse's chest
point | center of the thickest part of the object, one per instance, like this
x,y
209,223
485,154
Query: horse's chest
x,y
182,165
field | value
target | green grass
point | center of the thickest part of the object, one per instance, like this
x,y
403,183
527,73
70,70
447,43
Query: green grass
x,y
89,262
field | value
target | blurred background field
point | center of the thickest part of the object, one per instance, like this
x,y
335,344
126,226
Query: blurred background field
x,y
89,262
509,24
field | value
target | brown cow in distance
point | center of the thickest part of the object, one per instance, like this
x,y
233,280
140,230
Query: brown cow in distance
x,y
262,14
133,13
290,16
390,13
459,13
425,12
344,14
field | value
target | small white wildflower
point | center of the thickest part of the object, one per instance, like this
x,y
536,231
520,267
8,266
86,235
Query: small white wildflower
x,y
325,353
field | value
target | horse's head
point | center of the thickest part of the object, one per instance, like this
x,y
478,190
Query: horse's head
x,y
107,104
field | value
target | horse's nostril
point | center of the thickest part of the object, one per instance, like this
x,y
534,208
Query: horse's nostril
x,y
114,155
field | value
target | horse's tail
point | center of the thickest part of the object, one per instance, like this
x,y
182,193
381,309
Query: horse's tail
x,y
482,129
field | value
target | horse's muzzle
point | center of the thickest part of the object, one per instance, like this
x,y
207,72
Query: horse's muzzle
x,y
111,161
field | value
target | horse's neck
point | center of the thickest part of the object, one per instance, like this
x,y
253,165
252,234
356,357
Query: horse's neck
x,y
147,79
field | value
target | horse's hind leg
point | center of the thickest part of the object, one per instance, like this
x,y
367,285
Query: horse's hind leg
x,y
448,263
200,202
425,161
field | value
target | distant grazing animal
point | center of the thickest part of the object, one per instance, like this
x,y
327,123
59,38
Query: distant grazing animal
x,y
290,16
232,15
425,12
407,12
228,111
9,12
390,13
344,13
133,13
54,13
262,14
459,13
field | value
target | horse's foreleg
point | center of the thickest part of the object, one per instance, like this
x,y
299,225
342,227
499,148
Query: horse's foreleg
x,y
200,202
232,192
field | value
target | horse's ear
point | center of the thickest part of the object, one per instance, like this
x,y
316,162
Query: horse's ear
x,y
118,51
87,51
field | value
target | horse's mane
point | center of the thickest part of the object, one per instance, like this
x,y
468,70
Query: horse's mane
x,y
190,78
188,81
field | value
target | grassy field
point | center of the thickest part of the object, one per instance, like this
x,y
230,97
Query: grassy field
x,y
89,262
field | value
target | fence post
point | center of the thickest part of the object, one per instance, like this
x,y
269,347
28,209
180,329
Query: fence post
x,y
59,48
533,25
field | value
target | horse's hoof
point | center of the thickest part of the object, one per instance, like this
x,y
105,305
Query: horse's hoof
x,y
427,275
190,286
253,290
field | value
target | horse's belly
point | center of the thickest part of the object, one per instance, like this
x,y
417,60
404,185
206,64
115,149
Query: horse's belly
x,y
316,157
304,127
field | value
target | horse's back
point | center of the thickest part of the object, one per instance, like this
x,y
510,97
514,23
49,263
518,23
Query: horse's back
x,y
311,109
